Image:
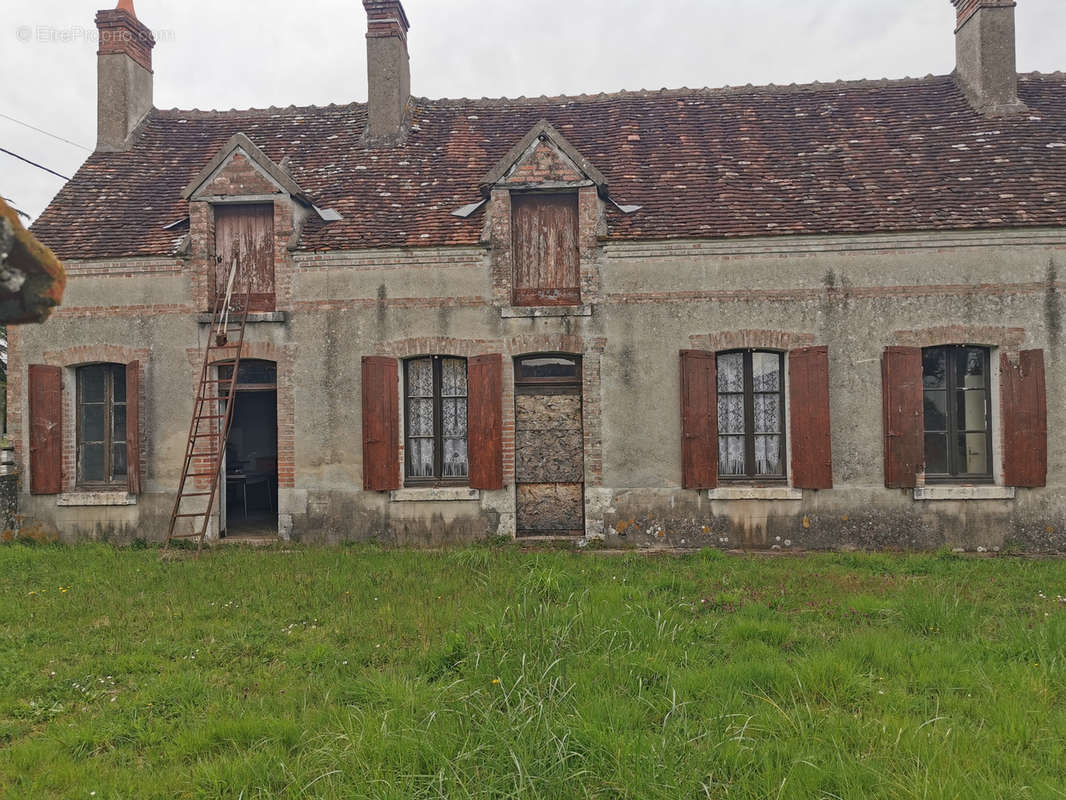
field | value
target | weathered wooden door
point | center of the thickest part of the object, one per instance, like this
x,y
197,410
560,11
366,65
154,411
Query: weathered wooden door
x,y
246,232
549,446
545,250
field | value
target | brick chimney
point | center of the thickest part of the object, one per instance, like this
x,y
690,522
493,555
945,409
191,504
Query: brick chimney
x,y
123,75
388,72
985,63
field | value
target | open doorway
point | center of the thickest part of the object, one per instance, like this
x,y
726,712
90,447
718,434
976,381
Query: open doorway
x,y
249,502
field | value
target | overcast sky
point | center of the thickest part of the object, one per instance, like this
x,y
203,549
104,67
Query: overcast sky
x,y
230,54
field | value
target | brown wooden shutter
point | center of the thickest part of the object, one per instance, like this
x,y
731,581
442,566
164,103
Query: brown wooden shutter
x,y
1024,415
485,421
545,249
904,421
699,420
133,427
812,456
381,424
46,429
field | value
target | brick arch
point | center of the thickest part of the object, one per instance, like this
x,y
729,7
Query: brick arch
x,y
95,354
528,344
1009,339
438,346
753,339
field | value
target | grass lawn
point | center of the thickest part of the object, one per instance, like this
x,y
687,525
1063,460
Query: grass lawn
x,y
491,672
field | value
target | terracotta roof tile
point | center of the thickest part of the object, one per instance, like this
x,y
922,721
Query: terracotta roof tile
x,y
817,159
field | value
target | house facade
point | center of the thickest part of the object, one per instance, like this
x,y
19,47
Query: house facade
x,y
821,316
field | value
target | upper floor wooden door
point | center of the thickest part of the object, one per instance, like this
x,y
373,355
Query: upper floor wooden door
x,y
246,232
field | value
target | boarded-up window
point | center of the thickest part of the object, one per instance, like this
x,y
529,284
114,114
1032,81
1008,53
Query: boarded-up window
x,y
245,233
545,249
1024,419
46,429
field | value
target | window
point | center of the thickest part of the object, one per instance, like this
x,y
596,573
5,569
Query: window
x,y
545,249
436,395
958,429
101,424
545,371
751,405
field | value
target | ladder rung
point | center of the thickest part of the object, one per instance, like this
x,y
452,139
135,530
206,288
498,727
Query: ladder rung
x,y
200,514
199,475
210,416
185,536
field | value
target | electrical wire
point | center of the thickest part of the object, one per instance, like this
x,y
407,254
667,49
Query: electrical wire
x,y
34,163
42,130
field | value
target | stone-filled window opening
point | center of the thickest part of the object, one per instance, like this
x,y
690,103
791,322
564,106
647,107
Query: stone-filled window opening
x,y
435,416
751,415
957,413
101,425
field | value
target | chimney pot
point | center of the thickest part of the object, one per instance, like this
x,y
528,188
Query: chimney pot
x,y
388,72
124,75
985,60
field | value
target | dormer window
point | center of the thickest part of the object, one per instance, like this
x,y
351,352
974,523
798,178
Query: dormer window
x,y
546,257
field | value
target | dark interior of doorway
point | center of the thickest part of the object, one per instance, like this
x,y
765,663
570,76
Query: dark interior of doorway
x,y
252,465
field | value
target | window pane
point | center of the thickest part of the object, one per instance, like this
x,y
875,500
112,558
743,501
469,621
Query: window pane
x,y
767,413
453,377
731,372
93,381
453,417
934,369
420,418
970,411
768,455
731,413
547,367
420,458
93,423
936,411
118,383
970,368
973,453
731,455
118,423
454,458
92,463
118,461
936,453
420,378
766,372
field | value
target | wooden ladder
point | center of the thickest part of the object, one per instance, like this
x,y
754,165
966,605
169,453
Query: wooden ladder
x,y
209,423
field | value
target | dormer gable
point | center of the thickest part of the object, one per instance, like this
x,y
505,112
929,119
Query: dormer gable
x,y
542,160
240,169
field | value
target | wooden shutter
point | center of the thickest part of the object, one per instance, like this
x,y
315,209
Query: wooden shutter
x,y
904,421
699,420
46,429
808,380
484,416
1024,414
381,424
545,249
133,427
246,232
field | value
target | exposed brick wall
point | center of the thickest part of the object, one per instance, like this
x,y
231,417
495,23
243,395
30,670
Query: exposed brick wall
x,y
967,8
745,339
544,165
1009,340
119,32
239,177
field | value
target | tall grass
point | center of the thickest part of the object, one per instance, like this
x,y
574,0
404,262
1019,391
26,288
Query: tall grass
x,y
493,673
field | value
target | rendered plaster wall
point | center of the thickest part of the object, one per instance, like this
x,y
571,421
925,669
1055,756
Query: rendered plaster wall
x,y
851,293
